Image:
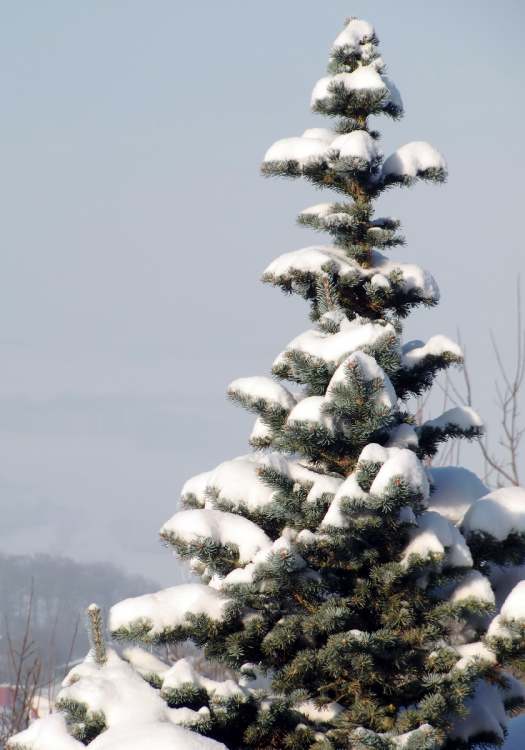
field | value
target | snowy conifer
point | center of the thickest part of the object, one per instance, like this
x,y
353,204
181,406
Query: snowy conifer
x,y
360,597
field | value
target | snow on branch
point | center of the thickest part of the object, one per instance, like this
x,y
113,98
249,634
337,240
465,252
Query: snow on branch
x,y
349,153
193,493
300,269
416,160
454,490
416,354
365,89
512,611
434,535
458,422
333,348
262,395
153,616
48,733
367,369
355,37
498,514
194,528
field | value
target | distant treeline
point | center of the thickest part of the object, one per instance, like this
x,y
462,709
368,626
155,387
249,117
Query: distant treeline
x,y
55,592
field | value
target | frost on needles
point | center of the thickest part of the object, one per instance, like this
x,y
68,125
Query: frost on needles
x,y
354,596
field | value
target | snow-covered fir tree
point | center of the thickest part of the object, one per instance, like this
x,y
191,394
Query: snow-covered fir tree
x,y
358,596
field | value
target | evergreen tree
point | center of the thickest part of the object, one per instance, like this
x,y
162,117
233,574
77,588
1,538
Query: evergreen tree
x,y
360,597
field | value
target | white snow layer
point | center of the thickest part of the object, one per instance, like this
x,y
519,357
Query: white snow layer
x,y
304,149
354,35
114,689
473,585
221,527
159,736
310,411
47,733
135,714
462,417
261,388
332,348
470,652
196,486
369,370
260,431
183,673
504,578
364,79
144,662
415,352
326,713
238,482
513,609
354,150
168,608
499,514
310,260
397,463
454,490
412,159
435,535
348,490
403,464
357,146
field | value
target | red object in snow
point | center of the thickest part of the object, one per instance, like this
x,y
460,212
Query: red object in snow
x,y
7,700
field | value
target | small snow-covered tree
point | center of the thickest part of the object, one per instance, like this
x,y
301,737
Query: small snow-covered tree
x,y
360,597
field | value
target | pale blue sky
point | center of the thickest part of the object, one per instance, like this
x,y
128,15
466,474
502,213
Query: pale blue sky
x,y
135,227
